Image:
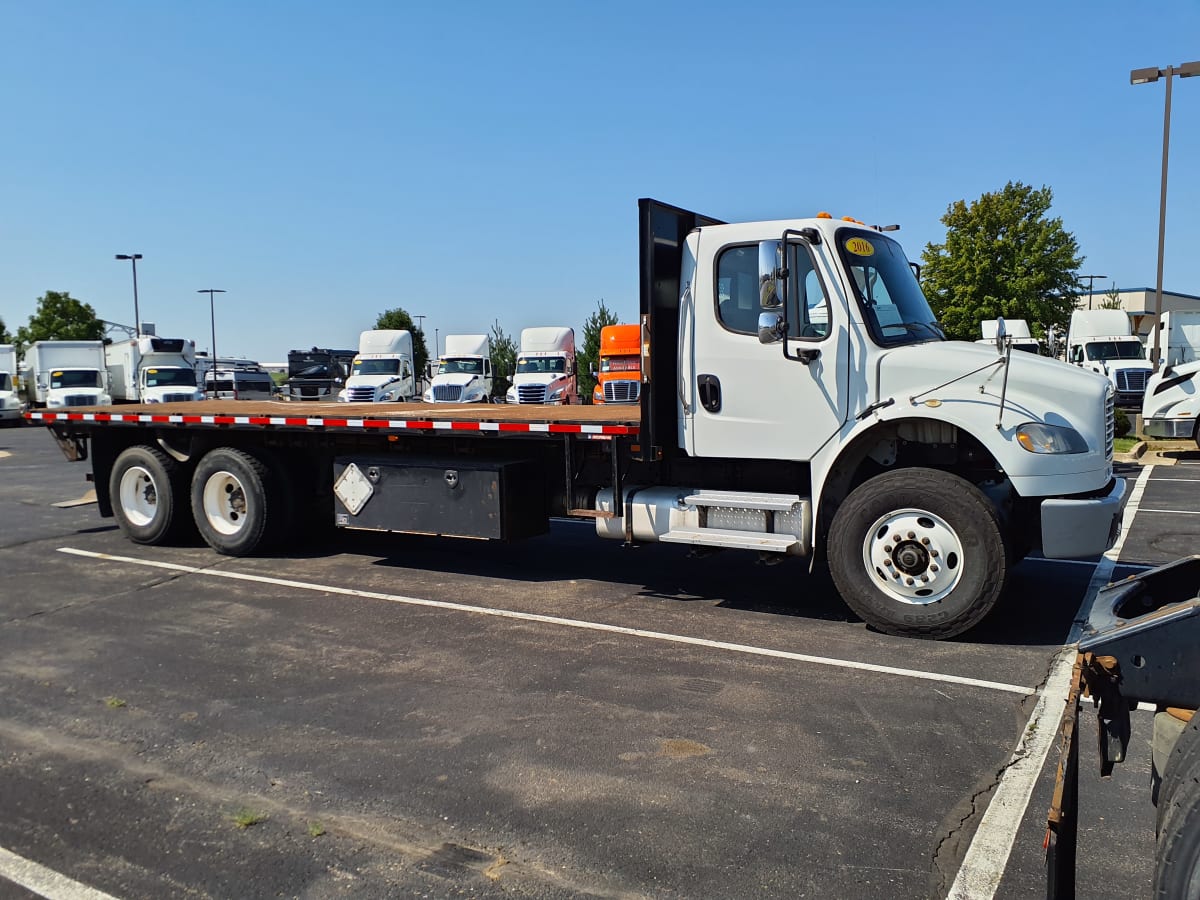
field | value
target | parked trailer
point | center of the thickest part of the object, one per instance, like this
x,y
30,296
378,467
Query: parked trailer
x,y
1139,646
833,421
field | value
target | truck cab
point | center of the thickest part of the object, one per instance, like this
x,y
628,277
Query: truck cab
x,y
1102,341
10,402
66,373
545,367
151,369
464,373
619,372
382,371
1016,334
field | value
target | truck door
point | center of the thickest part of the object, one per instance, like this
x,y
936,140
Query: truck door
x,y
749,398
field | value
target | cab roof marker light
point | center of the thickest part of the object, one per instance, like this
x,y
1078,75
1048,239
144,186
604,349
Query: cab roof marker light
x,y
824,215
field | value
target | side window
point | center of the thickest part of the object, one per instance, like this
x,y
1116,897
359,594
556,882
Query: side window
x,y
737,289
808,306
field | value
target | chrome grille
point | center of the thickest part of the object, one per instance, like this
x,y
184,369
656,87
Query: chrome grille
x,y
531,393
79,400
447,393
621,391
1132,380
1110,423
360,394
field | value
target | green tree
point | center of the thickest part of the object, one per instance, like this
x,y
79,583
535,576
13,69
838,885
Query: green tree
x,y
504,359
399,320
60,317
1002,257
5,337
1112,299
588,356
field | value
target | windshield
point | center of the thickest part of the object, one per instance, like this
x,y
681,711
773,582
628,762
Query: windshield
x,y
1101,350
460,366
88,378
375,367
162,377
895,310
620,363
313,372
535,364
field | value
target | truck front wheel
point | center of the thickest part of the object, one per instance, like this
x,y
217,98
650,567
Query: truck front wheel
x,y
237,501
148,491
918,553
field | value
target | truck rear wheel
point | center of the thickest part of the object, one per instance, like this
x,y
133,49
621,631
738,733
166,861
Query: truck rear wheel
x,y
1177,861
238,502
918,553
148,488
1184,759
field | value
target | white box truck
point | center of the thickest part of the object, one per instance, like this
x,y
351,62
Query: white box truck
x,y
920,470
1016,330
1103,341
464,373
545,367
1179,340
66,373
10,402
382,370
151,369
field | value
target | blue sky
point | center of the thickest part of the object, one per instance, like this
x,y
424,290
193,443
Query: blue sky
x,y
481,161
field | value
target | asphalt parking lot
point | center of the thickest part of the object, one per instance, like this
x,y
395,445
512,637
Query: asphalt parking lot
x,y
559,718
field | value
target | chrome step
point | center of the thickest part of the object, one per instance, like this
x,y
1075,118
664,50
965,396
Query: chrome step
x,y
744,500
740,540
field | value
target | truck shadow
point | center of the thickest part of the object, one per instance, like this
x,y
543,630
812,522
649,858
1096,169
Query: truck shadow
x,y
1037,609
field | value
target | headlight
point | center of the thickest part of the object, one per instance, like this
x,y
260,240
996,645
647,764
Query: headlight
x,y
428,396
388,395
152,400
342,396
554,394
1037,437
511,396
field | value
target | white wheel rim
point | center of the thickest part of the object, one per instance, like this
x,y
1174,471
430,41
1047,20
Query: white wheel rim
x,y
913,556
225,503
139,496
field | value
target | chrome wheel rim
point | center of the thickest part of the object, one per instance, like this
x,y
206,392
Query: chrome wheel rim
x,y
913,556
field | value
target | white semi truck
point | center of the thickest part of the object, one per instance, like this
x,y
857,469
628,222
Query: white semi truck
x,y
66,373
1103,341
464,373
10,401
151,369
545,367
919,470
1179,339
382,370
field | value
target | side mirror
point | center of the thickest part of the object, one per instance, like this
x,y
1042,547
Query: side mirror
x,y
770,269
592,370
916,268
770,328
1001,334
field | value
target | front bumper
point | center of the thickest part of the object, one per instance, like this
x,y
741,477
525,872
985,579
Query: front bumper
x,y
1170,429
1082,527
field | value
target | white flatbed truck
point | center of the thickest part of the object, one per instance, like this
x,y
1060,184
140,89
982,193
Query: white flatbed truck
x,y
798,400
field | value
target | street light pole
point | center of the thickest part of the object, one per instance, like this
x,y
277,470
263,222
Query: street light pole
x,y
1146,76
1091,280
137,319
212,363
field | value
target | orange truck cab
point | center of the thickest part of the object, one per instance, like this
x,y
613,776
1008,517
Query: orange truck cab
x,y
619,379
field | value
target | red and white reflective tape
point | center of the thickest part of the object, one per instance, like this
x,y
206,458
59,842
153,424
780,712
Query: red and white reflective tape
x,y
334,423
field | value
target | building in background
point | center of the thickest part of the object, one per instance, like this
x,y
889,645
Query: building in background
x,y
1138,304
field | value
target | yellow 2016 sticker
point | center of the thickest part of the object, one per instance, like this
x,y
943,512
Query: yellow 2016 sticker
x,y
860,247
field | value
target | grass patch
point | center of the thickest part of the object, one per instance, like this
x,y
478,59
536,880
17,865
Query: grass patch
x,y
1124,444
315,829
245,818
114,702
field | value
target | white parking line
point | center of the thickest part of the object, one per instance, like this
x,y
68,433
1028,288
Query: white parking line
x,y
45,882
556,620
1174,512
986,858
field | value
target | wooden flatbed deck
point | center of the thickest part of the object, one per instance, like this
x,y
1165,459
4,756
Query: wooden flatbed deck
x,y
440,417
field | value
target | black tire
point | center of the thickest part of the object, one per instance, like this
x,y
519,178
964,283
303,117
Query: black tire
x,y
148,490
238,502
1184,758
942,576
1177,860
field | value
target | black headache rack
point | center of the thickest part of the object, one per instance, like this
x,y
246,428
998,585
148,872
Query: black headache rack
x,y
662,231
1139,646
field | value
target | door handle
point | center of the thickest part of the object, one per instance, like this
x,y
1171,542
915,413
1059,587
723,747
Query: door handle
x,y
709,388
